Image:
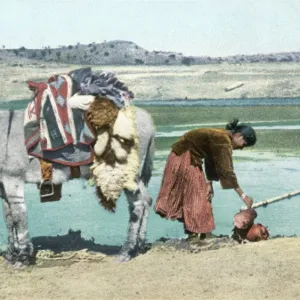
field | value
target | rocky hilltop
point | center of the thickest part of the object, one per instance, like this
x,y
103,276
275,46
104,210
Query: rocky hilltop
x,y
128,53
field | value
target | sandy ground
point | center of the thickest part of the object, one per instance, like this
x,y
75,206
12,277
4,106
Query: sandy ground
x,y
263,270
170,82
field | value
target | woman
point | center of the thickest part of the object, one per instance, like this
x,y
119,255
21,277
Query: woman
x,y
186,193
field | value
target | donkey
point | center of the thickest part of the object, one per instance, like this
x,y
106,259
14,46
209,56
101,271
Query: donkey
x,y
17,168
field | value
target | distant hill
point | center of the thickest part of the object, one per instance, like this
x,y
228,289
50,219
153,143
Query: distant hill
x,y
128,53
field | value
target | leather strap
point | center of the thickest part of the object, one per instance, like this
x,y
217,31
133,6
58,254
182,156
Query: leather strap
x,y
75,172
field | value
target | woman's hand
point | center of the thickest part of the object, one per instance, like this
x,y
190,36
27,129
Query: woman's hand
x,y
209,191
248,201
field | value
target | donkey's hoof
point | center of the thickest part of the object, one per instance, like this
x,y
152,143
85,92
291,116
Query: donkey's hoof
x,y
7,262
123,258
18,260
15,264
20,265
8,259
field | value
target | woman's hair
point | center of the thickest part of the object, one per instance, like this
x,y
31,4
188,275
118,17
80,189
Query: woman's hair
x,y
247,131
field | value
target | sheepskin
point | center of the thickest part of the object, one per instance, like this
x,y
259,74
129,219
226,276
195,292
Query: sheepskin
x,y
112,177
101,142
102,112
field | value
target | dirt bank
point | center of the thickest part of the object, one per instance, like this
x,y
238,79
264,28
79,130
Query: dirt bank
x,y
263,270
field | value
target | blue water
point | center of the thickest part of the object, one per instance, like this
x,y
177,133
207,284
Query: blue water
x,y
261,175
262,178
20,104
222,102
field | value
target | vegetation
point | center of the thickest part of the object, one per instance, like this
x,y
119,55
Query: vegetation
x,y
118,47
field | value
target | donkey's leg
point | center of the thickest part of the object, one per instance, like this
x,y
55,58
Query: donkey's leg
x,y
147,200
139,204
20,249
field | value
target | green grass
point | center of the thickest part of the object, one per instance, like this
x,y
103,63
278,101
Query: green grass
x,y
276,141
168,115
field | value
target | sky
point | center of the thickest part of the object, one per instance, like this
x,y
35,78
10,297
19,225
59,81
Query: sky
x,y
192,27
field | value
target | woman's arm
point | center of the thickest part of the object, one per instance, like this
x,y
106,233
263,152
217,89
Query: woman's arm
x,y
222,158
224,168
246,199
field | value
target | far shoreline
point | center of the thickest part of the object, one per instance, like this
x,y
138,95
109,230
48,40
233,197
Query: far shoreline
x,y
165,83
183,100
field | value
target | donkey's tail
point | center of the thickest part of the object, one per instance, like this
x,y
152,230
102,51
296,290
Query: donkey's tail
x,y
148,162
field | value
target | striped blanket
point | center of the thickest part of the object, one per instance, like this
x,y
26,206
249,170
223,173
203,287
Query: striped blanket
x,y
52,129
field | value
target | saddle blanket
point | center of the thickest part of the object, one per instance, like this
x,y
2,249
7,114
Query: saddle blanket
x,y
52,129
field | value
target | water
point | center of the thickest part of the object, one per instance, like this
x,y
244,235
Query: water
x,y
222,102
261,175
20,104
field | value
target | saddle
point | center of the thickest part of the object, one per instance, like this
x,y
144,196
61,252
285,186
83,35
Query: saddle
x,y
55,133
61,128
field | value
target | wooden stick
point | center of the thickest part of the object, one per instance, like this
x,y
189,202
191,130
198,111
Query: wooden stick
x,y
271,200
230,88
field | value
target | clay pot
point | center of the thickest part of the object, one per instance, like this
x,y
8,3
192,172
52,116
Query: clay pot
x,y
257,232
245,218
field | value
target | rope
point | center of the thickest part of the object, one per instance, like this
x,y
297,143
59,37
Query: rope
x,y
81,255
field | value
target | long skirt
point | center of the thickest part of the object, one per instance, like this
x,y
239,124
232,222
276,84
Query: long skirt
x,y
182,195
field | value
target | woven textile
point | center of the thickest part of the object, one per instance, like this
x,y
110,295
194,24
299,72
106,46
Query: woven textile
x,y
52,129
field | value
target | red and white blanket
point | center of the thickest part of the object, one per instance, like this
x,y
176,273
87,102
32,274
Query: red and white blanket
x,y
52,129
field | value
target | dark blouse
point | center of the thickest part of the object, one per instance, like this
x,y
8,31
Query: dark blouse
x,y
214,147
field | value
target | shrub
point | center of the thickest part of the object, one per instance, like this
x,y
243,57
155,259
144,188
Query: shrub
x,y
287,58
58,54
187,60
94,48
139,61
271,59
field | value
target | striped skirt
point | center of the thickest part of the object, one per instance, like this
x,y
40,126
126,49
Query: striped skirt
x,y
182,195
